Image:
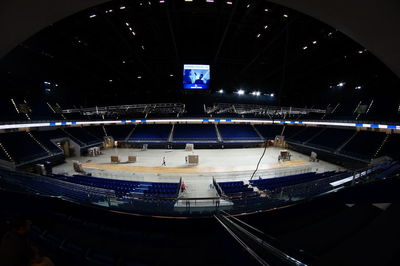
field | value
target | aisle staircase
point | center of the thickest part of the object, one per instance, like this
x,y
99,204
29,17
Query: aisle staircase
x,y
381,146
6,152
346,142
258,132
218,133
39,143
171,133
130,134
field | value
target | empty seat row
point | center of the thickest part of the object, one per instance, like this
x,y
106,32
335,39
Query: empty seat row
x,y
278,182
235,187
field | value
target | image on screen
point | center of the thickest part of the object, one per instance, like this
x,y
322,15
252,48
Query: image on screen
x,y
196,76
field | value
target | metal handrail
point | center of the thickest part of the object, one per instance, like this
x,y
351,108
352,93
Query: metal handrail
x,y
267,246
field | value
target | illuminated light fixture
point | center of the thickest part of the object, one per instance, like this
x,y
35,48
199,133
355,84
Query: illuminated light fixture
x,y
221,91
56,85
46,82
272,94
360,51
109,11
314,42
340,84
149,3
229,2
305,47
171,75
188,0
358,87
130,29
133,33
143,47
248,6
266,9
110,80
210,1
266,27
258,35
330,34
122,7
240,92
139,77
285,15
127,24
123,62
92,16
162,1
256,93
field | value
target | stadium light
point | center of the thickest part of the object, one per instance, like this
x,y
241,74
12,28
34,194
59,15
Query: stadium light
x,y
229,2
340,84
258,35
122,7
221,91
210,1
256,93
272,94
358,87
127,24
92,16
240,92
285,15
314,42
305,47
266,27
171,75
139,77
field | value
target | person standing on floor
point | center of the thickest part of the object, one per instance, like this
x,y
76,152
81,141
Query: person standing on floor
x,y
163,162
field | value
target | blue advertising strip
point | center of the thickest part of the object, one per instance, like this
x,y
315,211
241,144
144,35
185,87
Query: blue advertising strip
x,y
374,125
133,121
73,123
143,121
63,123
359,125
292,122
300,122
391,126
52,123
205,120
123,121
228,120
283,122
217,120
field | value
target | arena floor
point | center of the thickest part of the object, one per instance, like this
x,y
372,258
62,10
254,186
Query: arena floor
x,y
222,164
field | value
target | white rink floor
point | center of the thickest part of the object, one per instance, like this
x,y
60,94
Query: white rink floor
x,y
223,164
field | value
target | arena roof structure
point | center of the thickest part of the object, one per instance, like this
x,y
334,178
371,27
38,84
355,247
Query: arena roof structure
x,y
88,53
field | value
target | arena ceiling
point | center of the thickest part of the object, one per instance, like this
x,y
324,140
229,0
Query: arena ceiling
x,y
97,52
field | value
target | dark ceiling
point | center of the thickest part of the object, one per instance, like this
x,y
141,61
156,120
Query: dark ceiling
x,y
132,52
